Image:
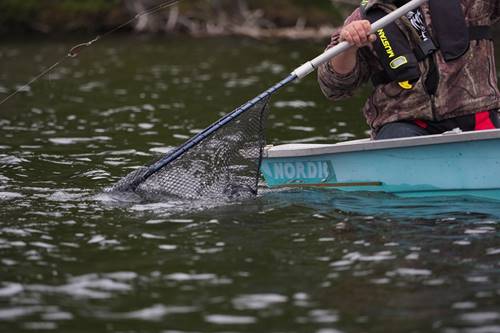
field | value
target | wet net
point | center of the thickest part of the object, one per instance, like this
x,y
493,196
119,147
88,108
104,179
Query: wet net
x,y
224,165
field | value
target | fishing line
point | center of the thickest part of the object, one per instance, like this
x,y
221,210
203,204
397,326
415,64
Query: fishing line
x,y
75,50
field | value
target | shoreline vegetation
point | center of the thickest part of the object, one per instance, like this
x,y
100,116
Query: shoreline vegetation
x,y
289,19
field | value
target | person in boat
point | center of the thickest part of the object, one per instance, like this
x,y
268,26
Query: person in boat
x,y
432,71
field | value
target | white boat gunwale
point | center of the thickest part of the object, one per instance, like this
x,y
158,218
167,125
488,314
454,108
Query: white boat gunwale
x,y
294,150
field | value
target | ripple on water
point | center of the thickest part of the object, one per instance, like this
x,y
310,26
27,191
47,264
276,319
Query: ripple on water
x,y
145,126
169,206
126,152
15,231
329,330
353,257
241,82
480,230
464,305
40,326
43,245
90,286
258,301
410,272
266,66
152,236
480,317
8,289
57,316
323,316
183,277
6,196
298,104
122,276
301,128
161,150
11,160
62,196
77,140
96,239
97,174
492,251
154,206
17,312
167,247
153,313
221,319
91,86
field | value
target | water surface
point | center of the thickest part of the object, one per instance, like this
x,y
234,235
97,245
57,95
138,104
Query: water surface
x,y
72,260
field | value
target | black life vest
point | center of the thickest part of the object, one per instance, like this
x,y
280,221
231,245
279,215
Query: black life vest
x,y
450,35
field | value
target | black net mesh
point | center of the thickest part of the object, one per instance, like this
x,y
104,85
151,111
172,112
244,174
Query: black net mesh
x,y
225,164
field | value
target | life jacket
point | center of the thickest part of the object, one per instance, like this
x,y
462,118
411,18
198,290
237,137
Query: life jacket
x,y
399,60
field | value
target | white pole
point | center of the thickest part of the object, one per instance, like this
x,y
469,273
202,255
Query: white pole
x,y
312,65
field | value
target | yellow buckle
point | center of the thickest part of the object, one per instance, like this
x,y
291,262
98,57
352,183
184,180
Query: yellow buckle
x,y
405,85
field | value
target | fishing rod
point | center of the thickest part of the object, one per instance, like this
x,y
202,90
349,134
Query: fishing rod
x,y
75,51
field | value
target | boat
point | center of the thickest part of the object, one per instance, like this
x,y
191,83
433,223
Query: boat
x,y
454,163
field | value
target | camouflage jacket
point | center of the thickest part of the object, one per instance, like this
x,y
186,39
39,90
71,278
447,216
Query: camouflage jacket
x,y
466,85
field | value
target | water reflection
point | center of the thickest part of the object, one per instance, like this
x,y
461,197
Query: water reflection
x,y
380,204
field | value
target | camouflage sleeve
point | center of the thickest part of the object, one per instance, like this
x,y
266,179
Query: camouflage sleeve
x,y
496,12
337,86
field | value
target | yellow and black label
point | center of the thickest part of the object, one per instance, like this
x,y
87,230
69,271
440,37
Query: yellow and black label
x,y
386,43
394,52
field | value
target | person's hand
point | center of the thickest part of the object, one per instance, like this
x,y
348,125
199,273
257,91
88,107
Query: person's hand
x,y
358,33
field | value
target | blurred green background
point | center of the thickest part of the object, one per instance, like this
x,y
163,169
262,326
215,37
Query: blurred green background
x,y
191,16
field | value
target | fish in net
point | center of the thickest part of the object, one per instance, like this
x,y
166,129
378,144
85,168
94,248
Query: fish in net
x,y
226,164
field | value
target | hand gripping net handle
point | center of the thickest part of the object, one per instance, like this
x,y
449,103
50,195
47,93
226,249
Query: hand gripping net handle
x,y
312,65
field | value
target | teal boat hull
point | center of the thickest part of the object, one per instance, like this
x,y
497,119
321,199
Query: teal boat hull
x,y
454,164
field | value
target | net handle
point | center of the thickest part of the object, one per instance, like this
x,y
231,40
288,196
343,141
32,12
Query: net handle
x,y
298,73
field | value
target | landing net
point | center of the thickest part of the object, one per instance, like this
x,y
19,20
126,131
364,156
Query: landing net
x,y
224,165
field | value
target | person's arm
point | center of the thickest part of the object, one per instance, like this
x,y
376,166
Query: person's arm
x,y
339,77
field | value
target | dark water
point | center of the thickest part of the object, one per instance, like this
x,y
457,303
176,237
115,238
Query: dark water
x,y
72,260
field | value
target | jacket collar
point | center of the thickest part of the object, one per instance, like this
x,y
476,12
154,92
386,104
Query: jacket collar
x,y
367,4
